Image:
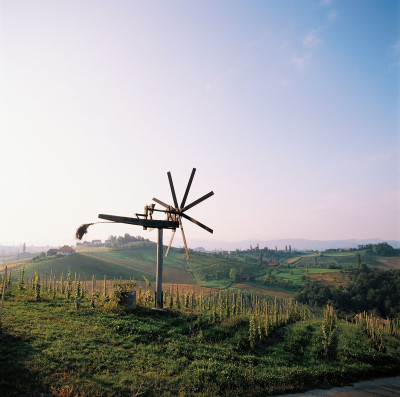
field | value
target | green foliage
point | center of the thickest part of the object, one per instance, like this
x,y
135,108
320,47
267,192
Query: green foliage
x,y
125,241
376,328
370,290
69,284
36,286
21,281
62,283
78,293
329,333
252,331
121,287
9,283
358,260
105,353
383,249
233,274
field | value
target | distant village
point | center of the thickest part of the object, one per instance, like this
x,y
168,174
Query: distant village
x,y
93,243
66,250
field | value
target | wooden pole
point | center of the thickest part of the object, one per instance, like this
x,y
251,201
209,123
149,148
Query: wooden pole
x,y
4,291
159,302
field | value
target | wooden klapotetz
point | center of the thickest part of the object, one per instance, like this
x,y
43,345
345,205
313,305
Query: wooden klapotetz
x,y
174,214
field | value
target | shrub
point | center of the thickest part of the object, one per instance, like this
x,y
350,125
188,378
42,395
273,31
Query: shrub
x,y
329,334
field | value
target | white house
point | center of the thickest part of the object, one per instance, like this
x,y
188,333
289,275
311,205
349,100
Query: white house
x,y
65,251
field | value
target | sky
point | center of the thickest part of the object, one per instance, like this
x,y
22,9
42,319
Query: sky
x,y
289,111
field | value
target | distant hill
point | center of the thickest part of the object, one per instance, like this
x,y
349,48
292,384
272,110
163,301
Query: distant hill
x,y
299,244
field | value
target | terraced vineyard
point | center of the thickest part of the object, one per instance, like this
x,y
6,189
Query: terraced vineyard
x,y
212,270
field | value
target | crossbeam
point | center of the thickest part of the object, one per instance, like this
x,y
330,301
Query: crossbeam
x,y
151,223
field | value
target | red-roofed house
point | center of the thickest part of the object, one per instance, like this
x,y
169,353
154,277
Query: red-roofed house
x,y
65,251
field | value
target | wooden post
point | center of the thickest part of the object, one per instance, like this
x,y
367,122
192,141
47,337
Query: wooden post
x,y
4,291
159,301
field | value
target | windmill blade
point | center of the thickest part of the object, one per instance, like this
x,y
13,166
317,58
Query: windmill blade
x,y
171,184
197,223
184,238
170,242
160,202
188,187
206,196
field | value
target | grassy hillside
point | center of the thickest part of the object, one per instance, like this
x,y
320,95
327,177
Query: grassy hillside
x,y
144,259
176,353
85,264
213,270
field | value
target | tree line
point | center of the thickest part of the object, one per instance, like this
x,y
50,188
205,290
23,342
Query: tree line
x,y
374,291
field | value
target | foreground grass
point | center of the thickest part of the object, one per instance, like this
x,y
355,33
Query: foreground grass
x,y
153,353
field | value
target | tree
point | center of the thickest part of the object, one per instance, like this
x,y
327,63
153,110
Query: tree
x,y
260,258
358,260
363,267
383,249
233,274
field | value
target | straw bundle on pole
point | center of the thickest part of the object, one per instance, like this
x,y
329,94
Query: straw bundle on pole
x,y
82,230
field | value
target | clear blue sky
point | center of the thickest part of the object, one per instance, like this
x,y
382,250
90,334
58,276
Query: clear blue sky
x,y
289,110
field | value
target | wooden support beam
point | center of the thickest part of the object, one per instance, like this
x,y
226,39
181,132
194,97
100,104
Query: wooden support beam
x,y
188,187
197,223
171,184
170,242
152,223
184,238
160,202
206,196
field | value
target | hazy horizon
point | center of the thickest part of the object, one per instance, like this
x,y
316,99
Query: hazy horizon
x,y
289,112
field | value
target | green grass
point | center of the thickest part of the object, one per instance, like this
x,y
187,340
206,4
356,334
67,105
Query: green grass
x,y
171,354
220,284
314,270
207,270
143,259
263,290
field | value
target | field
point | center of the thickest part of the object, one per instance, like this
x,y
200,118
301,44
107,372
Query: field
x,y
206,270
144,260
86,265
337,259
389,262
219,335
262,290
178,352
333,278
295,275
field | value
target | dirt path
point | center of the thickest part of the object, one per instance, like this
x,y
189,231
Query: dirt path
x,y
385,387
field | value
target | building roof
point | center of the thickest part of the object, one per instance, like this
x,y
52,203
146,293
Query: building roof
x,y
65,248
